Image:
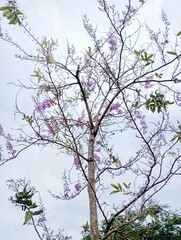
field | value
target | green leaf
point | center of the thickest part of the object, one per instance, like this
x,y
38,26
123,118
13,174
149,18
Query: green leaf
x,y
149,57
28,202
14,20
37,74
10,15
159,75
37,212
114,159
137,53
113,192
4,8
126,185
174,137
173,154
179,33
6,12
120,187
115,186
136,104
153,216
172,53
33,206
28,217
89,50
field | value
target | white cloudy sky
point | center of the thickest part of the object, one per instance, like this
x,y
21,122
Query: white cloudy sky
x,y
58,19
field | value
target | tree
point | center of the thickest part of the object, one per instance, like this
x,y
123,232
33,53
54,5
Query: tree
x,y
158,223
85,102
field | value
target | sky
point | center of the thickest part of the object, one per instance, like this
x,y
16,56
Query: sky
x,y
62,20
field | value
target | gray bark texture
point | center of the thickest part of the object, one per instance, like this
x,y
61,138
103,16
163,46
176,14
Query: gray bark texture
x,y
91,191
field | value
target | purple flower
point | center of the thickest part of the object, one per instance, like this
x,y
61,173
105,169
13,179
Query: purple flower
x,y
77,164
112,44
40,90
148,85
178,98
52,125
77,187
97,158
66,192
10,149
144,125
79,122
116,107
98,149
141,118
138,115
90,85
45,104
1,130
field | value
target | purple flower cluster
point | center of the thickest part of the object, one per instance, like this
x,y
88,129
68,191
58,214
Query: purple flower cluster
x,y
66,188
40,90
52,125
116,107
88,27
142,122
98,149
1,130
77,164
78,187
79,122
97,158
10,149
90,85
47,103
112,44
148,84
178,99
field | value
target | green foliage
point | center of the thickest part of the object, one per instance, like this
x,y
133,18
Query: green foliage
x,y
157,102
119,188
23,198
136,104
28,217
86,231
12,13
172,53
156,223
159,75
179,33
177,136
144,56
29,119
37,74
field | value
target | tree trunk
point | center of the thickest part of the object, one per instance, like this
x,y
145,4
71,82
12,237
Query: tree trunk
x,y
91,191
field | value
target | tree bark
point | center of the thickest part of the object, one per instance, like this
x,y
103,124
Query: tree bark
x,y
94,230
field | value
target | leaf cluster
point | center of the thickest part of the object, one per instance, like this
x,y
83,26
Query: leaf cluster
x,y
12,13
157,102
177,136
24,199
144,56
124,188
